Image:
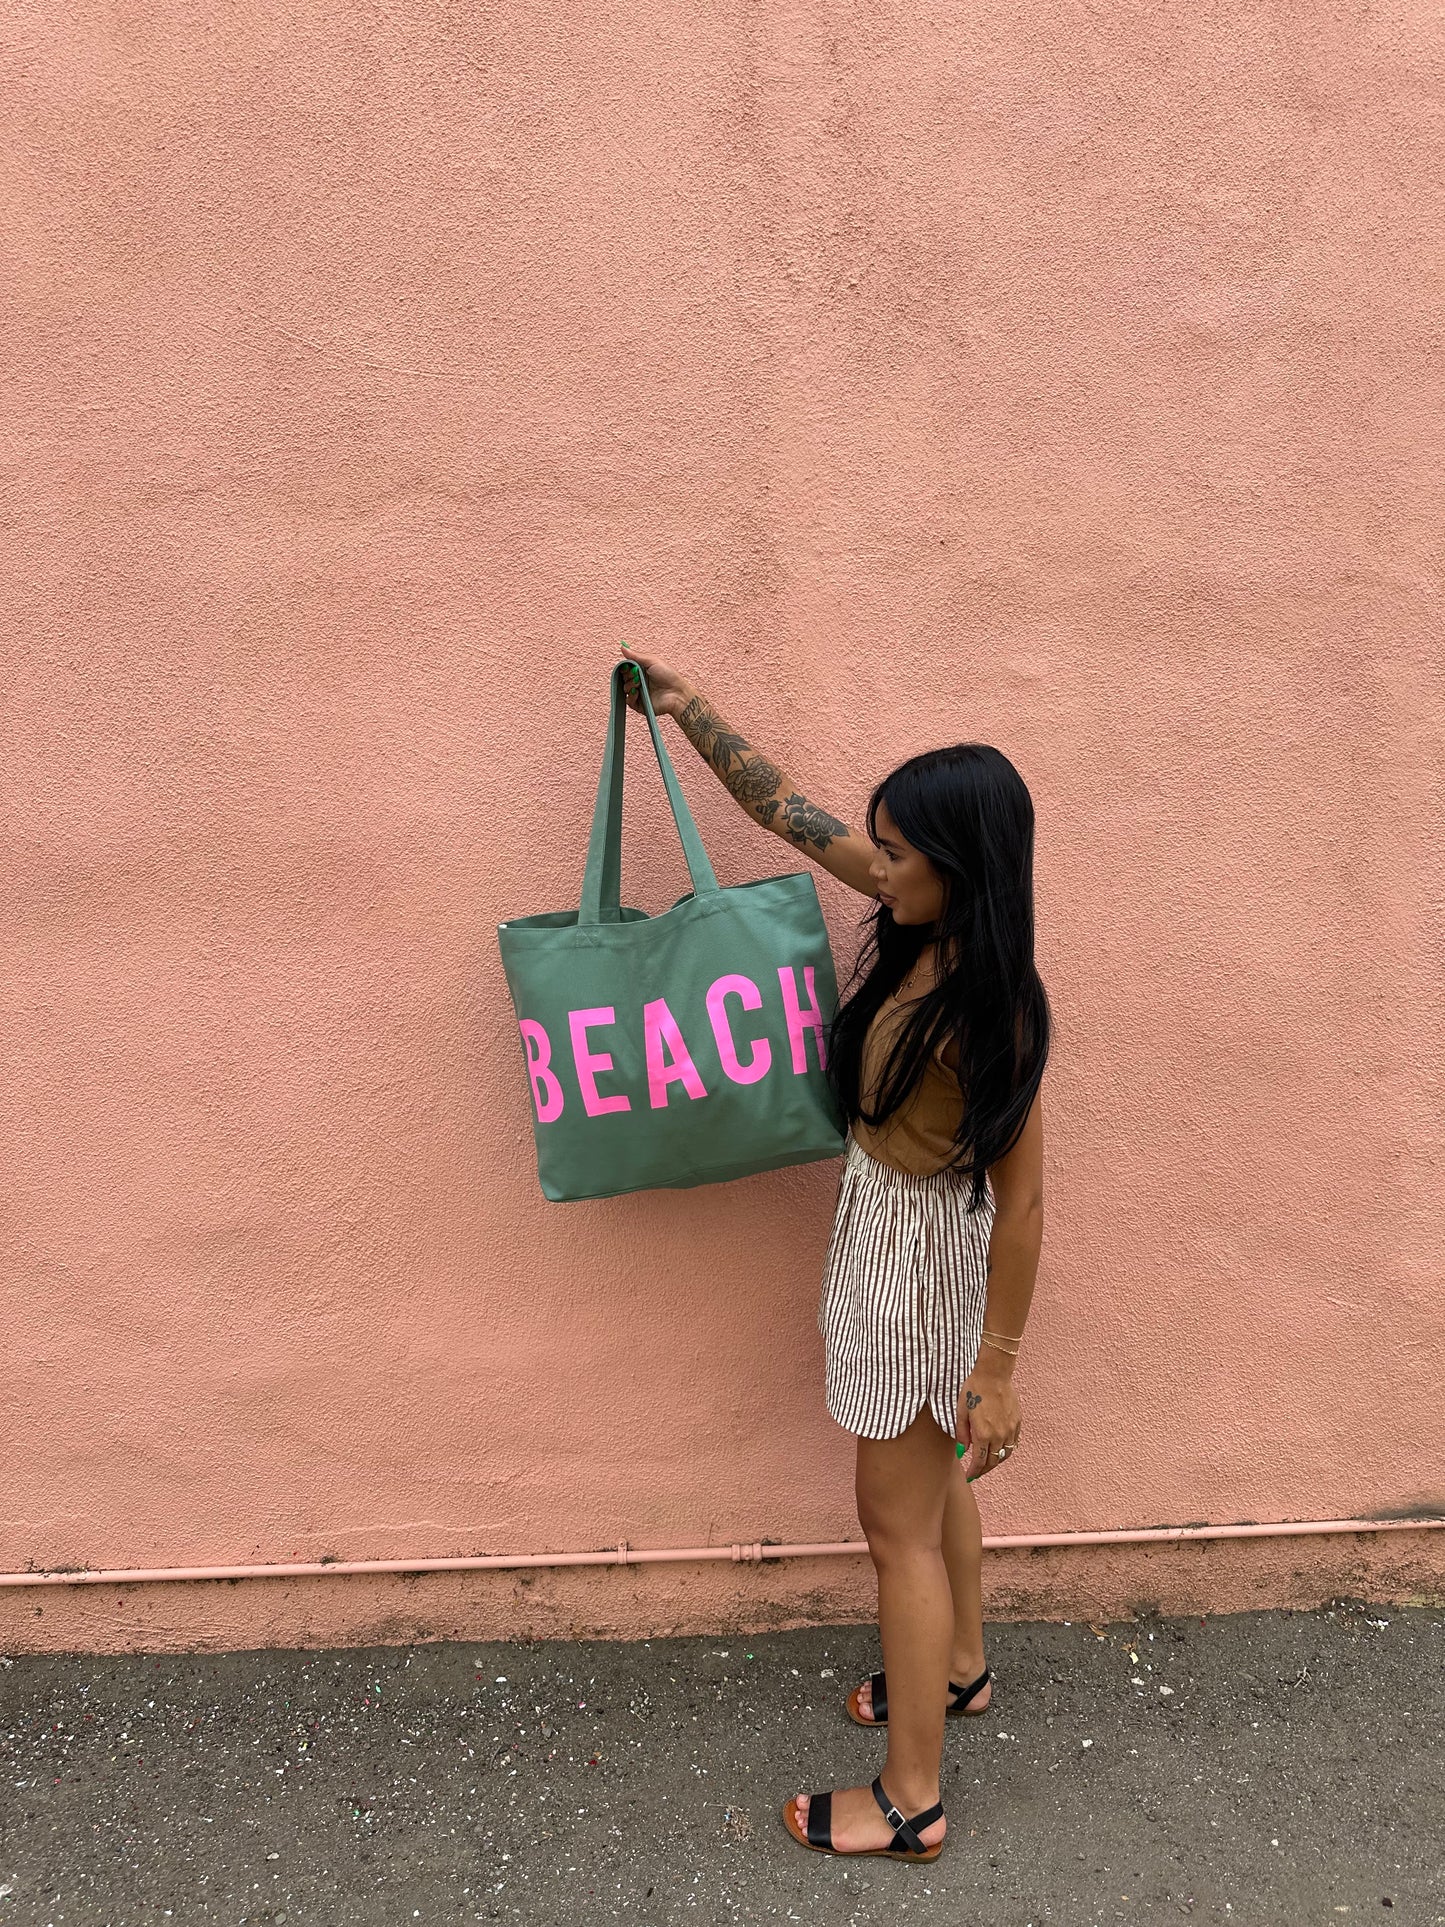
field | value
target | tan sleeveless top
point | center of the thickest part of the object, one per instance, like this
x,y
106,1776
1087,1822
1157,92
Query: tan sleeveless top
x,y
920,1137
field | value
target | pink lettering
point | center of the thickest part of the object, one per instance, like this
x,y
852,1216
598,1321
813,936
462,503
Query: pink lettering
x,y
752,999
799,1020
546,1091
659,1028
590,1062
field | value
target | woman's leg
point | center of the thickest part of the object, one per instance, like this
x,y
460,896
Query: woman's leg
x,y
963,1555
902,1486
902,1492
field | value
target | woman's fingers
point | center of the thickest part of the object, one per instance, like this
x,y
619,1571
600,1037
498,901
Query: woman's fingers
x,y
630,686
667,688
641,666
644,665
658,675
986,1426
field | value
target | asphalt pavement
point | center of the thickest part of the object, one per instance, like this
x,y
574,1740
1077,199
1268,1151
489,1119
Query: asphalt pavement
x,y
1271,1767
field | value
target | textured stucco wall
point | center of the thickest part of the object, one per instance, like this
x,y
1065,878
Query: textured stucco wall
x,y
1061,377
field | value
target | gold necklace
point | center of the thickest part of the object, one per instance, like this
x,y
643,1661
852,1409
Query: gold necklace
x,y
907,983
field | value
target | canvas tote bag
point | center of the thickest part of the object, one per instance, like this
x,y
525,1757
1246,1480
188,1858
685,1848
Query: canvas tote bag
x,y
681,1049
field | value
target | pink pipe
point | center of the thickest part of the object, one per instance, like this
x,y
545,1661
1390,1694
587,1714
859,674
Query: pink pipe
x,y
624,1555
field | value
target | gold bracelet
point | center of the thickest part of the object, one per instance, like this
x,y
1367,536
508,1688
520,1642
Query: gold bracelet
x,y
989,1339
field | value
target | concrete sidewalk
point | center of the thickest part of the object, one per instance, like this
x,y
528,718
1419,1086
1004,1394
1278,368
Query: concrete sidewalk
x,y
1266,1767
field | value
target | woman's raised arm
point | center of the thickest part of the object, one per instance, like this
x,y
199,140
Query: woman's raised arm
x,y
768,796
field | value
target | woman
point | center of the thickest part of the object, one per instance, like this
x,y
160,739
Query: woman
x,y
935,1243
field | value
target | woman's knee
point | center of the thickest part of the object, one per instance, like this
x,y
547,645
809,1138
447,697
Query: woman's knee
x,y
898,1522
900,1542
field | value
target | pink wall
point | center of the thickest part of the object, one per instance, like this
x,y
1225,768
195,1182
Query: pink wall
x,y
1063,378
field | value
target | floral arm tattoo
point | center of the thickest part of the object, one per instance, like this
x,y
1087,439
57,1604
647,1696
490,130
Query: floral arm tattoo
x,y
806,823
755,781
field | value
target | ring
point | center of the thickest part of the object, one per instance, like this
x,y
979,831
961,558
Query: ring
x,y
1003,1451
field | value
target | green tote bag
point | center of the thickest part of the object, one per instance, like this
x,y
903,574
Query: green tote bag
x,y
686,1048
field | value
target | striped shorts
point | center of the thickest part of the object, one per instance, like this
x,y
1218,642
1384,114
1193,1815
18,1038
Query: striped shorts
x,y
904,1284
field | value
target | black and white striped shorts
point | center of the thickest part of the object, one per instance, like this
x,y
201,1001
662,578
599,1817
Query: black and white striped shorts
x,y
904,1284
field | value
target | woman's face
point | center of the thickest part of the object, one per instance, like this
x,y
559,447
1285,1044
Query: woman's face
x,y
907,882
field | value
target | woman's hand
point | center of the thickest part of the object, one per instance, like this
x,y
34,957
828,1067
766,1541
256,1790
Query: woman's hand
x,y
670,692
988,1417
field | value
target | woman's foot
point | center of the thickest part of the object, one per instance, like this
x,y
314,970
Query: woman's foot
x,y
962,1673
858,1823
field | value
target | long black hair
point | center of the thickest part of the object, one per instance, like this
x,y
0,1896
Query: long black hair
x,y
970,813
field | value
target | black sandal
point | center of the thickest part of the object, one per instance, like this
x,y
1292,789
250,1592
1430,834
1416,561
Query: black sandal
x,y
951,1711
819,1836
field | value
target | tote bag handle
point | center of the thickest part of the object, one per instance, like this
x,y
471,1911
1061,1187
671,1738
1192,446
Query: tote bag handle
x,y
602,879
